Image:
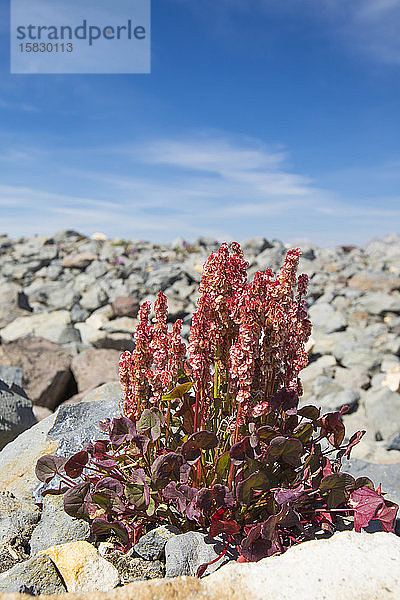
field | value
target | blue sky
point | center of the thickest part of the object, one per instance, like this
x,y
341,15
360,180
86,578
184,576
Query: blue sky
x,y
260,117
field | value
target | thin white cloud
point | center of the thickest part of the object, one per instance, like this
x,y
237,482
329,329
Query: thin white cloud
x,y
213,184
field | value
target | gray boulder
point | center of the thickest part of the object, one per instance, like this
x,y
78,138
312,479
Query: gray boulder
x,y
35,576
46,368
326,317
185,553
151,545
15,412
12,375
56,527
77,424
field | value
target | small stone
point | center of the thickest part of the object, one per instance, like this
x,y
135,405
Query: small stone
x,y
99,237
354,378
378,303
78,314
382,408
13,303
394,443
330,395
151,545
82,568
12,375
121,325
324,316
132,568
125,306
392,379
55,326
94,297
314,369
78,261
185,553
41,412
18,517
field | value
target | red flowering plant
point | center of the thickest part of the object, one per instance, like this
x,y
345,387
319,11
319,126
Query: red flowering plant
x,y
213,438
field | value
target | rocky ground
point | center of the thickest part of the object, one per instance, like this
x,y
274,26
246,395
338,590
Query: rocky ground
x,y
68,307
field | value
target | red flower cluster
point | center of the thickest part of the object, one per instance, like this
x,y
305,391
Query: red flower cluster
x,y
247,337
152,368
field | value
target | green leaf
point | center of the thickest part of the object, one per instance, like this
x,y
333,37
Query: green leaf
x,y
267,433
309,412
149,420
222,465
135,494
178,392
287,449
245,489
336,485
304,432
151,507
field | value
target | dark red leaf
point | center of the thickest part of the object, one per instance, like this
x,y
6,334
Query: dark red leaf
x,y
166,468
285,399
105,425
201,440
253,547
100,447
387,515
230,527
365,503
284,496
122,430
75,465
102,527
57,492
109,483
223,496
240,451
204,499
48,466
201,570
75,501
336,485
287,449
353,442
332,427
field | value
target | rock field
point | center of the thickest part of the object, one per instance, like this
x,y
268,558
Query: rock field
x,y
68,307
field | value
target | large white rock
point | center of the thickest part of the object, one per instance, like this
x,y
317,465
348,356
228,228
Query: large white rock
x,y
360,566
